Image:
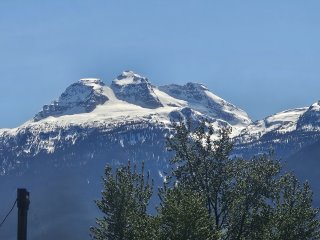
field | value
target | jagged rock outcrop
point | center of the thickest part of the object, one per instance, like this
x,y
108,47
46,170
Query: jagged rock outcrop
x,y
135,89
81,97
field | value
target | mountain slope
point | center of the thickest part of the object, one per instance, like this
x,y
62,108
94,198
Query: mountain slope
x,y
281,123
284,133
201,99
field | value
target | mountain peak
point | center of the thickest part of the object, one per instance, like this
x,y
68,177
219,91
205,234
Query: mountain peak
x,y
80,97
135,89
129,73
129,77
200,98
316,105
198,86
310,120
91,81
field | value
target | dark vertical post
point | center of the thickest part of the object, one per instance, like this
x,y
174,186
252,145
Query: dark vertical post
x,y
23,206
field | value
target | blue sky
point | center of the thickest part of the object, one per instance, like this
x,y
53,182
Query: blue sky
x,y
262,56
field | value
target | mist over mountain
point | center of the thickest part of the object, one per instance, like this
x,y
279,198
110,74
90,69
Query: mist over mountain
x,y
60,154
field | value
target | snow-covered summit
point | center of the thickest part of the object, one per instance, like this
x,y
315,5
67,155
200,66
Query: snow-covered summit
x,y
201,99
81,97
129,77
94,82
310,120
89,102
135,89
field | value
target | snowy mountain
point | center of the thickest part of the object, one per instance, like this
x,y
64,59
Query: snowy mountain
x,y
89,105
285,132
59,155
282,122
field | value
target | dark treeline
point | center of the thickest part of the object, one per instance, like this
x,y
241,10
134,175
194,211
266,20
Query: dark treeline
x,y
207,195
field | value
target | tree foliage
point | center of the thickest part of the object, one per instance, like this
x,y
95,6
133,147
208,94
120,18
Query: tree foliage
x,y
124,204
183,216
209,195
294,217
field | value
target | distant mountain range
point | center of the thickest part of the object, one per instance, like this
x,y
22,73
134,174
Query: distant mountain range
x,y
60,153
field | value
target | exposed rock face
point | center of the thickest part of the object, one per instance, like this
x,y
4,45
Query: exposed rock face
x,y
135,89
80,97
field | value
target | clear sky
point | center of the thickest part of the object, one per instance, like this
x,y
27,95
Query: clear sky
x,y
263,56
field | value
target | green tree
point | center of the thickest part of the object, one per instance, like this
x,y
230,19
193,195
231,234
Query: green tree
x,y
294,217
256,184
203,164
245,199
124,204
183,216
